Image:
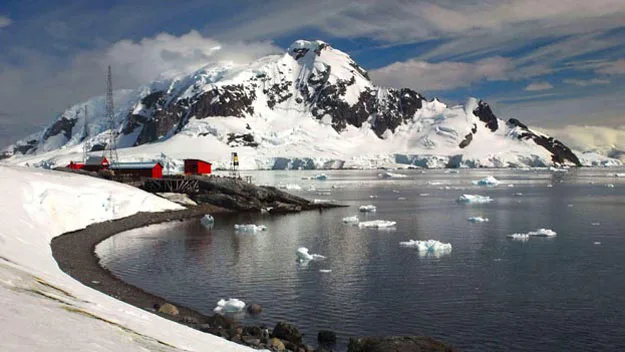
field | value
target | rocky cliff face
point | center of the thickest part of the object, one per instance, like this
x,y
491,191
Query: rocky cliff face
x,y
312,80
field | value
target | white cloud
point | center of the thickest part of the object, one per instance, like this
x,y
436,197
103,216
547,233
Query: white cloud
x,y
586,82
612,68
425,76
538,86
591,138
5,21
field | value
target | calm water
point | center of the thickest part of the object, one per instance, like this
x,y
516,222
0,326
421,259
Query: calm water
x,y
489,294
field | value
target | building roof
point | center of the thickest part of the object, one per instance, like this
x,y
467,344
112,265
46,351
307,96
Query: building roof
x,y
135,165
96,160
204,161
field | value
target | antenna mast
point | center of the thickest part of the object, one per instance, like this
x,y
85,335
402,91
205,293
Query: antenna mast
x,y
85,134
110,115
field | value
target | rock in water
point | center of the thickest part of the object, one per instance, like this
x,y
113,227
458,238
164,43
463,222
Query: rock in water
x,y
169,308
399,344
254,309
288,332
326,337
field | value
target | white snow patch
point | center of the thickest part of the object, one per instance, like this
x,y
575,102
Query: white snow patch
x,y
232,305
180,198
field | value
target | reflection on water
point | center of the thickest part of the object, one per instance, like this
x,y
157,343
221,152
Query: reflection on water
x,y
489,293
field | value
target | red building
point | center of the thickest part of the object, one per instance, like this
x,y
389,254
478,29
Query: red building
x,y
197,167
138,170
96,163
75,166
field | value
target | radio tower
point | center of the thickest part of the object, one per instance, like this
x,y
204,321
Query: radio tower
x,y
85,135
110,115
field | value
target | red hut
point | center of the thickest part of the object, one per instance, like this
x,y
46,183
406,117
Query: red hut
x,y
75,166
138,170
197,167
96,163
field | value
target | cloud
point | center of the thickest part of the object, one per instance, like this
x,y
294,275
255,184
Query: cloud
x,y
538,86
426,76
612,68
591,138
5,21
586,82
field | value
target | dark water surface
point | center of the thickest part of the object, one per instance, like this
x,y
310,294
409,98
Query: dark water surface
x,y
490,293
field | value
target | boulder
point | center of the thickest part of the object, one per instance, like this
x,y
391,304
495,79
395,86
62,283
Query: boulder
x,y
398,344
169,308
326,337
288,332
254,331
276,345
254,309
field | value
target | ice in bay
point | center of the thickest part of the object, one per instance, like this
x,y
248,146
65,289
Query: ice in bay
x,y
303,255
368,208
377,224
474,199
487,181
250,228
391,175
476,219
208,220
537,233
351,219
434,247
232,305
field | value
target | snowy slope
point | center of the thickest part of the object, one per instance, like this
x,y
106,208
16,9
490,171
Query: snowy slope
x,y
312,107
46,310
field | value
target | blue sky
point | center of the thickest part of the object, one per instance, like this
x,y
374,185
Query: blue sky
x,y
549,63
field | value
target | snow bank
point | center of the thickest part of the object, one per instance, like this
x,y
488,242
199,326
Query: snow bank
x,y
474,199
232,305
429,246
537,233
476,219
180,198
377,224
50,311
488,181
368,208
303,255
208,220
249,228
351,219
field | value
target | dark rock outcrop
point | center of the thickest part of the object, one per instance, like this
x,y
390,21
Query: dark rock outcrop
x,y
559,152
326,337
485,114
398,344
287,332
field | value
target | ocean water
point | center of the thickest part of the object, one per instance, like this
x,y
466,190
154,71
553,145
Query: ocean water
x,y
491,293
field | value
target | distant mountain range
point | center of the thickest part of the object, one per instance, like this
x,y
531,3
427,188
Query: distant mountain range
x,y
312,107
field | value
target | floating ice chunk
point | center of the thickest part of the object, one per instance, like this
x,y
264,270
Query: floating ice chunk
x,y
609,185
351,220
537,233
474,199
324,193
250,228
556,169
232,305
596,224
424,194
395,191
207,220
321,177
549,185
476,219
452,171
325,270
387,174
596,243
291,187
619,175
303,255
323,201
518,194
510,185
401,198
429,246
368,208
435,183
488,181
373,196
377,224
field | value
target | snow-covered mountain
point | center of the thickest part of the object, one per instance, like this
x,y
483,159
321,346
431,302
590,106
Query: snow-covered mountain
x,y
313,107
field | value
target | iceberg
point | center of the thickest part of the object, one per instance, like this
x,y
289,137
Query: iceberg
x,y
474,199
610,185
368,208
351,220
207,220
232,305
325,270
250,228
391,175
619,175
377,224
537,233
304,256
488,181
476,219
429,246
291,187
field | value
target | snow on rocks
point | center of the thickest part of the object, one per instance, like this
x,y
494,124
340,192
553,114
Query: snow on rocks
x,y
538,233
249,228
377,224
368,208
477,219
208,220
304,256
487,181
351,220
429,246
179,198
474,199
232,305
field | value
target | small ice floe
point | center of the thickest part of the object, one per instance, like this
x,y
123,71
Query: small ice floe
x,y
323,201
320,177
473,199
537,233
387,174
373,196
596,243
401,198
325,270
428,247
351,219
368,208
290,187
510,185
452,171
377,224
477,219
610,185
232,305
570,205
518,194
596,224
395,191
207,220
266,210
619,175
549,185
250,228
324,193
304,256
424,194
557,169
435,183
488,181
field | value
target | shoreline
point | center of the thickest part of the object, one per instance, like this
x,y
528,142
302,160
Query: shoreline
x,y
75,254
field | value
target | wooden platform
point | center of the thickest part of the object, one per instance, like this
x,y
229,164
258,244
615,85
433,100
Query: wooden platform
x,y
176,185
